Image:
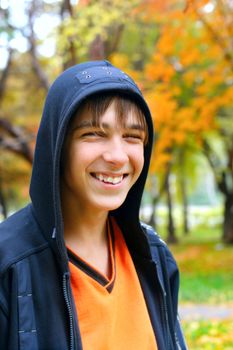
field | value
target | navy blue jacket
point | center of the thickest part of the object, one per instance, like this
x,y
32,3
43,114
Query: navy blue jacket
x,y
37,309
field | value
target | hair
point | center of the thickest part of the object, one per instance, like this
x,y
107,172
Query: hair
x,y
97,104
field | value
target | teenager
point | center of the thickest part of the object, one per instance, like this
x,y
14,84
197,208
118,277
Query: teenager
x,y
77,268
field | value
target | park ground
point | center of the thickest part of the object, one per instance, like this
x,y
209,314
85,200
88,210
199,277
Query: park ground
x,y
206,291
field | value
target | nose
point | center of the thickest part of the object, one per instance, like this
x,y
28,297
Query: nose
x,y
115,152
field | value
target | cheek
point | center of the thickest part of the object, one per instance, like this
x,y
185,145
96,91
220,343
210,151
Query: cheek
x,y
138,161
81,158
78,155
72,162
141,162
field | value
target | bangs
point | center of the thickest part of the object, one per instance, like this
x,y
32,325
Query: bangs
x,y
125,106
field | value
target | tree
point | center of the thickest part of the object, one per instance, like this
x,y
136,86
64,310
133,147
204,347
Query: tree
x,y
89,30
222,14
92,29
189,86
20,100
173,49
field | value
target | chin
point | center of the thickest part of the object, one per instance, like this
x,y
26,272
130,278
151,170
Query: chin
x,y
110,206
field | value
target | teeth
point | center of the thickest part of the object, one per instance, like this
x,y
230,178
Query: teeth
x,y
117,180
113,180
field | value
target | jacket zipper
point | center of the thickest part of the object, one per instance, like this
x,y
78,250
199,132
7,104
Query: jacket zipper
x,y
178,343
163,308
177,338
165,319
67,300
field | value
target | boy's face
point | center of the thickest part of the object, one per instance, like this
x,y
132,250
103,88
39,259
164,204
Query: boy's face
x,y
101,163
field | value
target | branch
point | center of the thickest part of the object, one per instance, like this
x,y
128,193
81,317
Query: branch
x,y
226,13
16,142
214,34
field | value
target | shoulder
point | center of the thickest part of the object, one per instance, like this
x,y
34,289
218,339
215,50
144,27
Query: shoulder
x,y
157,245
152,235
19,236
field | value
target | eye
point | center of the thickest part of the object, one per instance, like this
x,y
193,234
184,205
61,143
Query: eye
x,y
90,133
135,137
97,133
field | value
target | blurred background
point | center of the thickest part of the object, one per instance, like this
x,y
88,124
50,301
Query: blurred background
x,y
181,55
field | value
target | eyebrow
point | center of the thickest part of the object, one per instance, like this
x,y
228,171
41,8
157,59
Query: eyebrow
x,y
85,124
90,124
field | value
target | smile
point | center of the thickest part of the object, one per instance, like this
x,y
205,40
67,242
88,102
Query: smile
x,y
114,180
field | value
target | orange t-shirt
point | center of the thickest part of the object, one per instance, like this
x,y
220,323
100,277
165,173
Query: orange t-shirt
x,y
112,314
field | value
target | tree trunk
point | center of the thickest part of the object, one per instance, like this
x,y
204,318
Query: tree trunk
x,y
97,49
36,66
155,195
184,207
224,181
228,219
152,220
184,196
171,238
225,186
5,74
67,10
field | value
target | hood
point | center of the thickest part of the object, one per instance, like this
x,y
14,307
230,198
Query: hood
x,y
63,98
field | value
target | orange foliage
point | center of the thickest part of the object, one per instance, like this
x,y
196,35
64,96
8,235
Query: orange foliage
x,y
189,76
159,69
122,61
163,108
149,7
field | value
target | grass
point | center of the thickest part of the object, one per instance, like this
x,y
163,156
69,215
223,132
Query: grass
x,y
206,277
211,335
206,272
205,267
205,288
